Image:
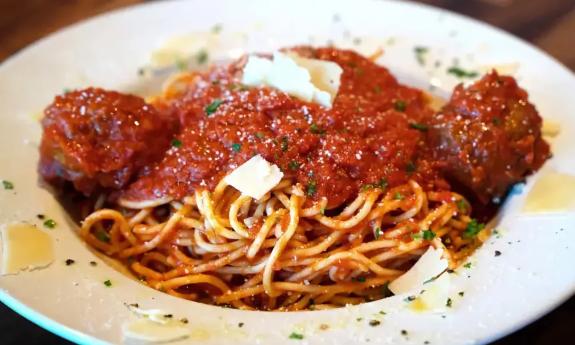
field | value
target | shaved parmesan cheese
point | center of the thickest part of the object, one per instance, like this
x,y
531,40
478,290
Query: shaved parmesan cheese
x,y
427,267
550,128
147,331
434,296
25,247
553,192
255,177
310,80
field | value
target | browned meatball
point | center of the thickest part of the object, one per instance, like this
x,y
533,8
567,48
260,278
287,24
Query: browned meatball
x,y
99,139
489,136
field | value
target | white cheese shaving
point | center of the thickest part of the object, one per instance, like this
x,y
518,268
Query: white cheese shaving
x,y
25,247
434,296
550,128
427,267
255,177
552,193
147,331
310,80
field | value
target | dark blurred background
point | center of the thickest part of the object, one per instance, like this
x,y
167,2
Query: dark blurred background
x,y
548,24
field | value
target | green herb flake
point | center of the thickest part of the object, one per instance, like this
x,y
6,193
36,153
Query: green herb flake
x,y
400,105
102,236
360,279
461,73
409,299
260,135
403,332
448,303
236,147
212,107
377,89
473,228
461,293
374,323
366,187
284,144
382,183
467,265
315,129
176,143
296,336
184,320
410,167
69,262
7,185
461,205
181,65
496,121
311,188
419,126
420,53
108,283
428,235
416,235
381,312
50,223
93,263
398,196
216,29
240,324
293,165
202,57
377,233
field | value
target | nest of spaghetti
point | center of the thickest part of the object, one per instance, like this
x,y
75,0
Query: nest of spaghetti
x,y
224,248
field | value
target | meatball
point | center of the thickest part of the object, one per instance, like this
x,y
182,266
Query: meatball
x,y
99,139
489,136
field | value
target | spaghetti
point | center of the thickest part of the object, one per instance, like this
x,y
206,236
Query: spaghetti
x,y
224,248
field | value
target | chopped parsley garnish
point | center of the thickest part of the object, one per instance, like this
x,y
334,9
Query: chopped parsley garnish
x,y
473,228
202,57
184,320
419,126
428,235
181,65
467,265
311,188
377,233
240,324
93,263
40,216
284,144
297,336
69,262
382,312
216,29
212,107
496,121
7,185
374,323
420,54
410,167
259,135
416,235
461,205
50,223
168,316
497,253
461,73
377,89
400,105
315,129
398,196
102,236
293,165
360,279
448,303
461,293
236,147
176,143
403,332
108,283
359,319
409,299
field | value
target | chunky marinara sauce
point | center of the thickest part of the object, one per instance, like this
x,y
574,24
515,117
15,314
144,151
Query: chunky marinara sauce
x,y
377,132
369,136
